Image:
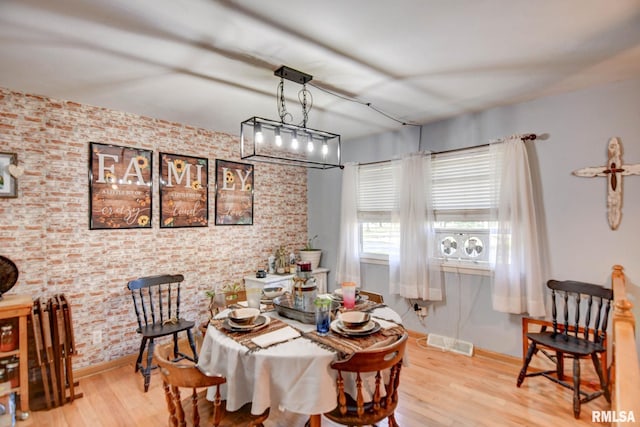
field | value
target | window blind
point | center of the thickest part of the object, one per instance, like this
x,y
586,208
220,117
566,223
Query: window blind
x,y
376,197
462,184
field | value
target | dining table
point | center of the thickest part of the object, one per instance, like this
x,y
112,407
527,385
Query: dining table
x,y
285,363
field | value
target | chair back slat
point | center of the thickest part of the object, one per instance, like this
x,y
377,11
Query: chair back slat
x,y
153,298
588,318
588,315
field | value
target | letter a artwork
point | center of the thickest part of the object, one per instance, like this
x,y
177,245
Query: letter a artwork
x,y
614,170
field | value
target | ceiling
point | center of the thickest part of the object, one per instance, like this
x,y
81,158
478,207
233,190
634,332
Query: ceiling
x,y
210,63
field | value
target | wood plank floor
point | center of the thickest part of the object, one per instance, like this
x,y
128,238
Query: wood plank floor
x,y
437,389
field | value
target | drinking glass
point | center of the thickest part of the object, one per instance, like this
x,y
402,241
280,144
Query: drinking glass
x,y
254,294
349,295
323,319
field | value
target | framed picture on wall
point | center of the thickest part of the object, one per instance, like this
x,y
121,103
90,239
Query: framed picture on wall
x,y
8,172
184,191
234,193
120,187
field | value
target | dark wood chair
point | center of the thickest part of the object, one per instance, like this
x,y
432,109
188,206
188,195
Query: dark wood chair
x,y
185,374
373,296
579,332
156,300
356,411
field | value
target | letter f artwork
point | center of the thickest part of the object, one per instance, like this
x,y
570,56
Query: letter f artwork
x,y
614,170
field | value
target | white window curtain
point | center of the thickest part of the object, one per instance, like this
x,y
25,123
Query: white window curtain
x,y
348,265
412,273
518,281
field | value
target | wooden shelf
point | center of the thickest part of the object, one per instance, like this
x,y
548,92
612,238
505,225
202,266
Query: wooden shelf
x,y
19,306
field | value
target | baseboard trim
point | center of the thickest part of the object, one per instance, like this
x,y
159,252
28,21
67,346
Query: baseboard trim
x,y
99,368
480,352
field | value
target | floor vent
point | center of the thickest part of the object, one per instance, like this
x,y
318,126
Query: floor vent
x,y
450,344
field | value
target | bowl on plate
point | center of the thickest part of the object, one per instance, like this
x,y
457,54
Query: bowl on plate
x,y
354,319
273,291
244,316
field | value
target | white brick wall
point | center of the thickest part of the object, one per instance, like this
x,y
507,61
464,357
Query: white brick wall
x,y
45,231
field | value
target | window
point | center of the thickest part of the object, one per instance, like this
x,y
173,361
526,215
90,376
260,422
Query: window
x,y
375,202
463,202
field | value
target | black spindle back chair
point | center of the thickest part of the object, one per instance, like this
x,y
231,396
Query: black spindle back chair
x,y
156,301
580,313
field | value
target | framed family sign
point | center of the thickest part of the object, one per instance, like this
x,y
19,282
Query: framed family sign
x,y
184,191
120,187
234,193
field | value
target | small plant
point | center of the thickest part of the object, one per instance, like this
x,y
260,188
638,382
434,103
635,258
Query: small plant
x,y
309,245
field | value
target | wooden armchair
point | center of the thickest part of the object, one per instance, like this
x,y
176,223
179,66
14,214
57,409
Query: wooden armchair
x,y
185,374
156,300
358,412
579,332
373,296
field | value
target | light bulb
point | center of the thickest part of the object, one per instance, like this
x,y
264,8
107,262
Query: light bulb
x,y
294,140
310,144
278,138
258,133
325,147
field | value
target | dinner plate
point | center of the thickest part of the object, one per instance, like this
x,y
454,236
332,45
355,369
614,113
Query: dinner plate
x,y
260,322
335,327
366,328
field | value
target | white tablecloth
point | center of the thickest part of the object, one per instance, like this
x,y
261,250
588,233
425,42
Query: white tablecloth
x,y
294,375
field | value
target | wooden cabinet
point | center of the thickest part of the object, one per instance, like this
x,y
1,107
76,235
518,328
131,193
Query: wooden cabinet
x,y
19,307
286,280
320,274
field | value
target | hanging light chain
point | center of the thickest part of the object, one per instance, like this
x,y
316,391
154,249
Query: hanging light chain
x,y
285,116
306,99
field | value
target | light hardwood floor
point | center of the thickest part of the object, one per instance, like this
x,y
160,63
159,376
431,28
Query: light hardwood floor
x,y
437,389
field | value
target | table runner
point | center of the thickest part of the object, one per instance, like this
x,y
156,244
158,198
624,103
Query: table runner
x,y
244,338
346,346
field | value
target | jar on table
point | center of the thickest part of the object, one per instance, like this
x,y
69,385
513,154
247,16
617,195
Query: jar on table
x,y
13,374
7,339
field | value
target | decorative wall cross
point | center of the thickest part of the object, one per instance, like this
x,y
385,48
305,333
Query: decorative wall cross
x,y
614,170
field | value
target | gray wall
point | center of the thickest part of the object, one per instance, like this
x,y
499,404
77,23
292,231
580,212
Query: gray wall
x,y
576,238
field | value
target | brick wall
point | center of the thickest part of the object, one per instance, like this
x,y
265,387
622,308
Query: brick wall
x,y
45,231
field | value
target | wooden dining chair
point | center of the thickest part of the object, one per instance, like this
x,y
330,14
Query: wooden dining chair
x,y
356,411
195,407
579,332
373,296
156,301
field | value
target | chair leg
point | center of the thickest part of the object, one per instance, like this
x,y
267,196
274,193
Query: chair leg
x,y
147,369
192,344
143,344
560,365
576,387
523,372
392,421
604,383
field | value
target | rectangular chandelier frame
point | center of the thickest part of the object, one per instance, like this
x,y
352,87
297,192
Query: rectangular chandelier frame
x,y
286,144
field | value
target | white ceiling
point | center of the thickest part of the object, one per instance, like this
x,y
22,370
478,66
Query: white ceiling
x,y
210,63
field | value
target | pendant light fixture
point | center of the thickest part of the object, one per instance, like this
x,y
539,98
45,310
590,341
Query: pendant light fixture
x,y
285,143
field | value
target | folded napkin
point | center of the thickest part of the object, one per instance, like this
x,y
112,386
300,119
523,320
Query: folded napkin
x,y
280,335
384,324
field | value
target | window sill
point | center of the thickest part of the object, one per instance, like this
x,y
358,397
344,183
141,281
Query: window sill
x,y
448,266
466,268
